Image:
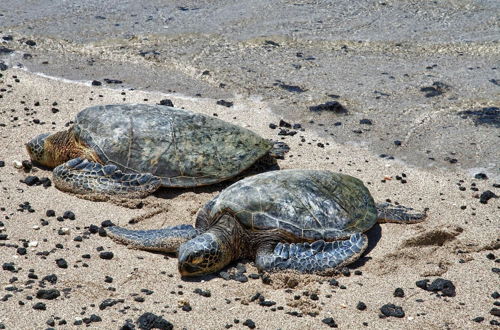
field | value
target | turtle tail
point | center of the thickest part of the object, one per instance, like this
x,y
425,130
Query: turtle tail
x,y
279,149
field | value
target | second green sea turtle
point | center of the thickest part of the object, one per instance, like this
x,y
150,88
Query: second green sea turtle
x,y
310,221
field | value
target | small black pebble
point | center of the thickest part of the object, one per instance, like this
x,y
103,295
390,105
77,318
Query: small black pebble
x,y
399,293
40,306
486,196
330,322
361,306
69,215
478,319
107,223
365,122
152,321
167,103
481,176
249,323
50,213
392,310
48,294
225,103
61,263
106,255
96,83
397,142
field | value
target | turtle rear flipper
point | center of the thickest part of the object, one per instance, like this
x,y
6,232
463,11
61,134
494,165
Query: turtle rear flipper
x,y
163,240
82,177
319,256
387,212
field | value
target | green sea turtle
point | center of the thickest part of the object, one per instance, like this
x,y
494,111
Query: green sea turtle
x,y
303,220
133,149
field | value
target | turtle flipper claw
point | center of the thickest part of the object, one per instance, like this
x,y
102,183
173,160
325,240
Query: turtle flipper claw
x,y
83,177
320,256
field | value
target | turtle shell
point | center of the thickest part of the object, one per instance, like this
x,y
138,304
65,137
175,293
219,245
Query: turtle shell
x,y
308,204
183,148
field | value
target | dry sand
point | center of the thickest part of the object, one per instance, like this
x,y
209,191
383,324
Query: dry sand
x,y
453,243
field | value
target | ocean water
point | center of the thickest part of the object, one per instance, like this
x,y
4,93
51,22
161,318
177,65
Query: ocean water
x,y
406,72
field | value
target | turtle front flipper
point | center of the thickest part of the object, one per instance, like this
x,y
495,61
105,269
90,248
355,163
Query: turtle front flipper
x,y
316,257
82,177
164,240
387,212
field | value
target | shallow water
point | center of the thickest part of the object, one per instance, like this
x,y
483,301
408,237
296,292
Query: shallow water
x,y
378,59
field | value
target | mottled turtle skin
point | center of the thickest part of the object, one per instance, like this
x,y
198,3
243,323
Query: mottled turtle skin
x,y
303,220
142,147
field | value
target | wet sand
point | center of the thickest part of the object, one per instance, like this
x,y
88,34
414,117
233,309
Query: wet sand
x,y
458,242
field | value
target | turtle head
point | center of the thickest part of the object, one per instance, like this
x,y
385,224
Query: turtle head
x,y
203,255
38,151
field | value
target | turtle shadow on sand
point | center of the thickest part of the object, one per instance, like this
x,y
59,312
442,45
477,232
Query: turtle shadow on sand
x,y
374,236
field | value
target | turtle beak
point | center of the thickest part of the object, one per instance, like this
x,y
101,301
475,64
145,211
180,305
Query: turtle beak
x,y
186,269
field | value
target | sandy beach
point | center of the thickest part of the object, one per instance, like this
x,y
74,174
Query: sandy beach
x,y
416,119
458,242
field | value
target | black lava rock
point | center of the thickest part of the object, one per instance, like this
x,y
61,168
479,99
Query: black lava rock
x,y
366,122
2,163
330,322
486,116
151,321
332,106
69,215
495,311
31,180
225,103
399,293
291,88
96,83
272,126
397,142
446,287
361,306
204,293
52,279
30,43
93,229
478,319
50,213
167,103
437,88
392,310
61,263
40,306
9,266
481,176
112,81
486,196
109,303
107,223
249,323
48,294
106,255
